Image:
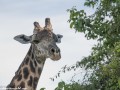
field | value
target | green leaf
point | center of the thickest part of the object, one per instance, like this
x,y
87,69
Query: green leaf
x,y
119,81
72,24
61,84
42,89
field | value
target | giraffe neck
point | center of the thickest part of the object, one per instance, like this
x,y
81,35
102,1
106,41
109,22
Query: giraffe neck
x,y
29,72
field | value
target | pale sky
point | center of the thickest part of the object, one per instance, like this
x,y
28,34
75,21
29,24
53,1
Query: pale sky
x,y
17,17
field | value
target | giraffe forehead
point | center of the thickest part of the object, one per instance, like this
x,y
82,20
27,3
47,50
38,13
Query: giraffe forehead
x,y
45,34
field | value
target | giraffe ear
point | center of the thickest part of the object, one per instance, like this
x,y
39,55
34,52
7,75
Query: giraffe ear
x,y
59,38
23,39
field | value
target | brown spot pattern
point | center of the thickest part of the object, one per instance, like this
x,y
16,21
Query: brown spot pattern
x,y
25,73
19,77
35,82
32,67
27,61
22,85
30,81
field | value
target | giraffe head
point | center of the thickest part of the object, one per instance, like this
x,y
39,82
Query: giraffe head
x,y
44,41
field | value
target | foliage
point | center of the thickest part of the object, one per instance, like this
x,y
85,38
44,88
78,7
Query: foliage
x,y
42,89
104,60
72,86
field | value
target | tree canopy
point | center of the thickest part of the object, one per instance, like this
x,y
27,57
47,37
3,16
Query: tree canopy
x,y
104,61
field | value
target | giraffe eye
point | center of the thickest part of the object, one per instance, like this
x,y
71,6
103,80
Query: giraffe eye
x,y
36,41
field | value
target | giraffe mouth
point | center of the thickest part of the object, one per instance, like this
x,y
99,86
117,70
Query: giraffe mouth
x,y
56,57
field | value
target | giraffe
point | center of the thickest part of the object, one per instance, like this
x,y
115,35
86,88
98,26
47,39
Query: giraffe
x,y
43,46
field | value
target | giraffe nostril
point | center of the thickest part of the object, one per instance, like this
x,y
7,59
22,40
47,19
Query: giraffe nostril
x,y
52,50
57,50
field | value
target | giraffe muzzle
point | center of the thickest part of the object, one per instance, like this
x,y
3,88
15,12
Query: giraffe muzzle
x,y
55,54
